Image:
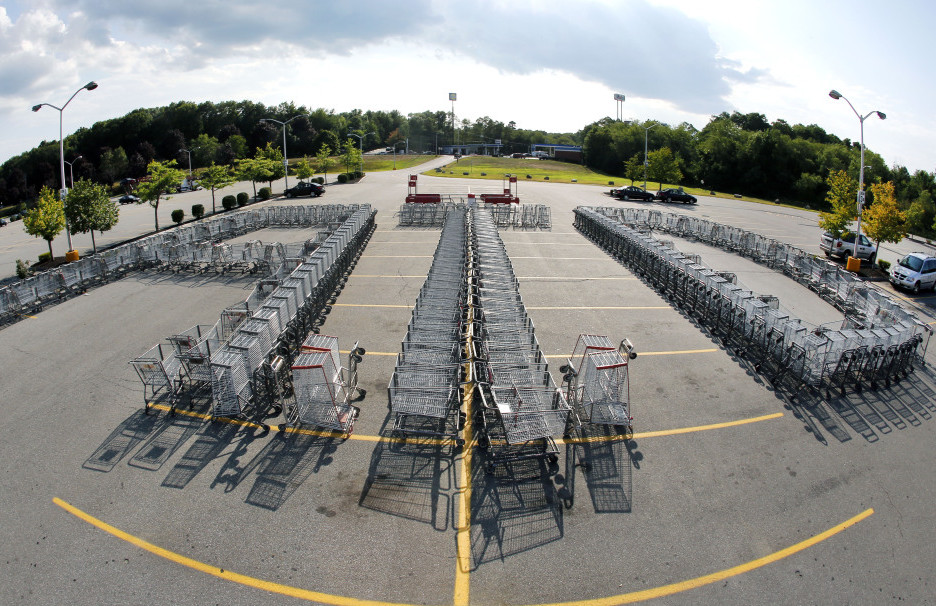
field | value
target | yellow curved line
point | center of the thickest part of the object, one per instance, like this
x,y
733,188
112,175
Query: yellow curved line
x,y
708,579
671,432
305,594
221,573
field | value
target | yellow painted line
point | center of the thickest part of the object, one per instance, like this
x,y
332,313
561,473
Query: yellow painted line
x,y
564,258
385,276
396,256
649,353
305,594
27,316
221,573
598,307
462,590
665,590
673,432
313,432
574,278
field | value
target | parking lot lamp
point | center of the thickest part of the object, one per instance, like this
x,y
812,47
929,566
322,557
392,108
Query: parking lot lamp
x,y
285,157
646,135
71,170
361,140
837,95
64,191
394,152
189,165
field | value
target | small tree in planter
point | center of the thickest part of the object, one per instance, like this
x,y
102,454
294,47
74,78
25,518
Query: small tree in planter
x,y
198,211
177,215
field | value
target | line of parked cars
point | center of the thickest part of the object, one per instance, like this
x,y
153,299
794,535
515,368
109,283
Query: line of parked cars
x,y
673,194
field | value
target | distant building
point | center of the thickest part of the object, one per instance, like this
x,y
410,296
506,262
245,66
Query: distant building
x,y
481,149
568,153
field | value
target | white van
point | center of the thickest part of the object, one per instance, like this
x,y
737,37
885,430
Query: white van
x,y
916,271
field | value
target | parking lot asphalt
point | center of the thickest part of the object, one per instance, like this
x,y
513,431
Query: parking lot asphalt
x,y
728,492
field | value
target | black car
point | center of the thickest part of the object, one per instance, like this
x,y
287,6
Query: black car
x,y
675,195
631,193
129,199
305,188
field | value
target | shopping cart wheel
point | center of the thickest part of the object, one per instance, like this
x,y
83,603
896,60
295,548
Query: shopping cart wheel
x,y
552,459
460,442
282,427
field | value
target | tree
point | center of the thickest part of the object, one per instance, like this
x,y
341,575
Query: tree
x,y
663,165
633,168
277,169
47,219
214,178
113,164
884,222
324,160
163,177
304,168
920,213
253,170
841,196
351,156
89,208
205,150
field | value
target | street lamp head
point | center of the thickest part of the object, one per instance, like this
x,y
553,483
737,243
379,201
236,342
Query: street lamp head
x,y
36,108
91,85
881,115
835,94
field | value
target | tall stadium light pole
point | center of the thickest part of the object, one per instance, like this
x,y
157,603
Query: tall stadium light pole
x,y
61,110
361,140
71,170
285,157
452,98
646,136
861,197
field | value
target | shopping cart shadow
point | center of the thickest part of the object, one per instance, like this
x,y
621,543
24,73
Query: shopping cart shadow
x,y
411,479
606,457
872,413
210,444
132,432
281,467
513,510
195,280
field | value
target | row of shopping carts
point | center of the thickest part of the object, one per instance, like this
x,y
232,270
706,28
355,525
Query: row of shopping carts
x,y
521,408
782,347
864,306
246,356
426,388
534,216
189,246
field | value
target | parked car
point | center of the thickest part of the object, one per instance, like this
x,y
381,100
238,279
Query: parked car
x,y
675,195
844,246
129,199
2,222
305,188
916,271
631,192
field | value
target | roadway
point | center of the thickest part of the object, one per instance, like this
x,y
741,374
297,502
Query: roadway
x,y
728,492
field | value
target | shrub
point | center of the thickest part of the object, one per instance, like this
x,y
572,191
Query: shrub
x,y
358,174
22,269
884,265
228,202
198,211
177,215
342,178
45,257
320,180
265,193
243,198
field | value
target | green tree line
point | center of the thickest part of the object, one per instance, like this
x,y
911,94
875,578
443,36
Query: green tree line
x,y
230,131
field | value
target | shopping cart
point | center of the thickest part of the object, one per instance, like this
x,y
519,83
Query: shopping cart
x,y
597,381
162,374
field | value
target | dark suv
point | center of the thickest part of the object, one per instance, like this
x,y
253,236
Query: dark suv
x,y
305,188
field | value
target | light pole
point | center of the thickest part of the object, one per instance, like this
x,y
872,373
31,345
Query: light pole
x,y
191,183
285,157
837,95
361,140
394,152
646,135
71,170
61,110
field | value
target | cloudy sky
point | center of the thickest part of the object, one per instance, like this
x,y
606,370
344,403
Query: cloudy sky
x,y
545,64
